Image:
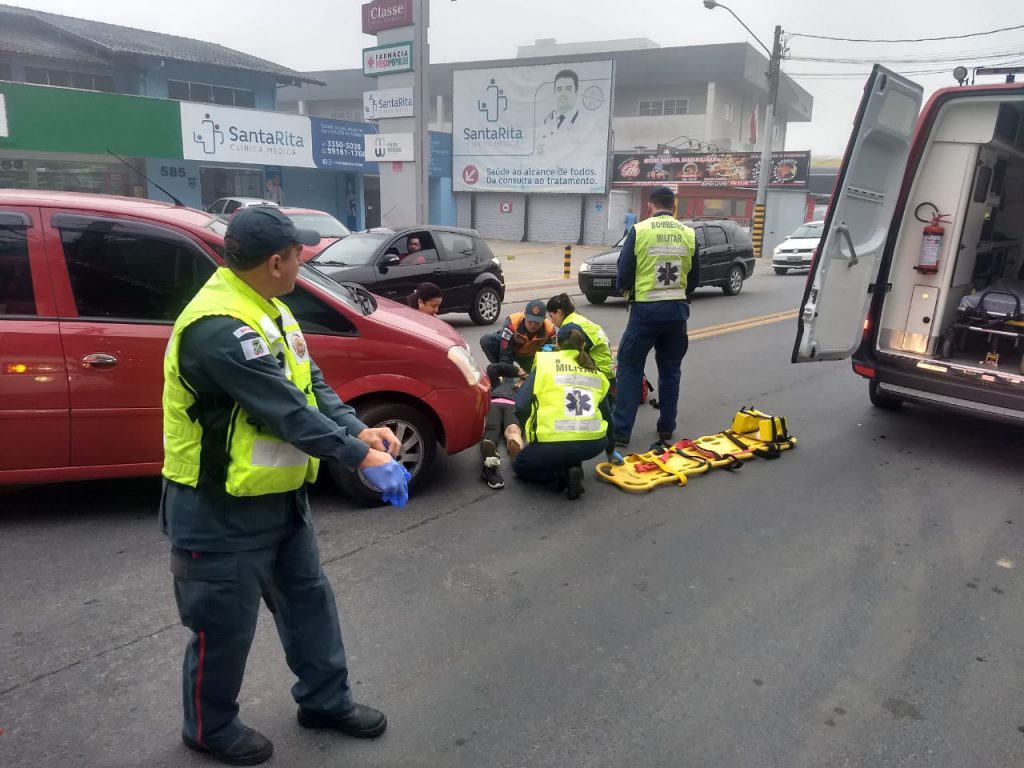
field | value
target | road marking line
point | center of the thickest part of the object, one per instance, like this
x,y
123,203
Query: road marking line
x,y
742,325
710,331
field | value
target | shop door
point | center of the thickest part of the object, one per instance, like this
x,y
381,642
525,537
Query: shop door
x,y
371,199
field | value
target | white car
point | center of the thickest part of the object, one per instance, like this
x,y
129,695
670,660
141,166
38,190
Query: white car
x,y
225,206
797,250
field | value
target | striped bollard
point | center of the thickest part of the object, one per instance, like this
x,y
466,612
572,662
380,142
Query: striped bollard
x,y
757,231
567,263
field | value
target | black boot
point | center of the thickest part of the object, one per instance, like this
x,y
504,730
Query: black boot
x,y
574,483
361,721
248,748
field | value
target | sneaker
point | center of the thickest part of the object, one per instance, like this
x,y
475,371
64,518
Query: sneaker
x,y
622,439
490,473
666,437
574,483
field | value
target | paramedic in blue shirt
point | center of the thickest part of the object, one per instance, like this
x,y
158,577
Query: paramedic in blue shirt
x,y
657,266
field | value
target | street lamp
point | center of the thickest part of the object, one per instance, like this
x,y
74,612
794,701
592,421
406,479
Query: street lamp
x,y
774,63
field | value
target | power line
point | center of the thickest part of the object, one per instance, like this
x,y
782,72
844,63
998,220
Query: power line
x,y
905,39
860,75
952,56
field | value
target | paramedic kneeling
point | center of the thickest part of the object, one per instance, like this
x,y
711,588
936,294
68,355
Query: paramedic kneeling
x,y
658,261
247,416
561,407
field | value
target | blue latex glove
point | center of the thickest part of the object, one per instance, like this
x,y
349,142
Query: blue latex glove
x,y
548,348
616,458
392,480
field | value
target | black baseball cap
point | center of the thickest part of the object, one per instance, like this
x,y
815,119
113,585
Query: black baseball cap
x,y
262,230
663,192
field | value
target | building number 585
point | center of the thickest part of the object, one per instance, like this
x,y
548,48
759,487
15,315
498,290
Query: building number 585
x,y
172,171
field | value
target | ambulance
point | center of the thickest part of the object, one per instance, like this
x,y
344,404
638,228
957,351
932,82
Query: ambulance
x,y
919,276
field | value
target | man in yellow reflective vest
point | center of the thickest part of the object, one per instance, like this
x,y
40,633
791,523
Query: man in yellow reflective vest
x,y
658,261
247,416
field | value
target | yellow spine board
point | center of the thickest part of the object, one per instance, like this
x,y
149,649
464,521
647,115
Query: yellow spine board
x,y
644,471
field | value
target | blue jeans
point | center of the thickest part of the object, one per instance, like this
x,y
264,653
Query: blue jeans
x,y
670,342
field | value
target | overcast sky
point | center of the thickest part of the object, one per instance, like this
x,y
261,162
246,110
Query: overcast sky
x,y
325,34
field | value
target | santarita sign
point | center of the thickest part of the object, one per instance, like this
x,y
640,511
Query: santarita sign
x,y
384,147
387,59
386,14
532,128
392,102
211,132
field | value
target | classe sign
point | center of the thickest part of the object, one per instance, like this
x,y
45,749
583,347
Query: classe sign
x,y
386,14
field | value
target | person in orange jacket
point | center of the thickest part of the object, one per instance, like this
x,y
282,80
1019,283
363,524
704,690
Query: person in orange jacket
x,y
521,338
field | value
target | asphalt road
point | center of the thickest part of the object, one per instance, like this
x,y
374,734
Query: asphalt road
x,y
857,602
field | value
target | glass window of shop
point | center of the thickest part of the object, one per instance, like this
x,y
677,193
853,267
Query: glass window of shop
x,y
725,207
68,175
230,182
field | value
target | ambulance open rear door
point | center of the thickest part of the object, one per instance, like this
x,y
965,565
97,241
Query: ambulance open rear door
x,y
859,219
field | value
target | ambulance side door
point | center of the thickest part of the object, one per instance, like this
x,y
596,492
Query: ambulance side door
x,y
858,224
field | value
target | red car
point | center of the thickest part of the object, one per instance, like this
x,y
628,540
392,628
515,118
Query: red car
x,y
90,286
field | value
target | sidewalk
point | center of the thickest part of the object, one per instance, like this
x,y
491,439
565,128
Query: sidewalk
x,y
537,268
534,270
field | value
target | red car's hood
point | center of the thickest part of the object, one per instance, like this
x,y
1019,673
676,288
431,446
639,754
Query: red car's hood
x,y
409,319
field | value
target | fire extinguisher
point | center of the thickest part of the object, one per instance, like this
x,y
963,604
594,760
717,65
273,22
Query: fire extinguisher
x,y
931,240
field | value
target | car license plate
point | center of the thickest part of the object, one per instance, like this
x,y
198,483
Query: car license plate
x,y
602,282
795,257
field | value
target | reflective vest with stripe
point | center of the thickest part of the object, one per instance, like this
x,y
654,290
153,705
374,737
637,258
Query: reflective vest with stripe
x,y
258,462
664,250
600,350
566,397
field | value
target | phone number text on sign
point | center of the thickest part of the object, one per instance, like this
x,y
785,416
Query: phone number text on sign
x,y
346,148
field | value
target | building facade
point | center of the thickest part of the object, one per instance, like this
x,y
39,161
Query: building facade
x,y
185,114
707,99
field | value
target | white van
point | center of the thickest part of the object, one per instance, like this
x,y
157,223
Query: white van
x,y
890,294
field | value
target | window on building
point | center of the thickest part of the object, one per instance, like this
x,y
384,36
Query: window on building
x,y
727,207
128,276
16,295
65,79
5,71
657,107
180,90
727,111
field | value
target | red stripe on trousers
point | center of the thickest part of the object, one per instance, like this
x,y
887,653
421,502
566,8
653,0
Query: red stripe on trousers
x,y
199,687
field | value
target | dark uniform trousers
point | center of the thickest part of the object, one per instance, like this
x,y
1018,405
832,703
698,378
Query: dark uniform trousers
x,y
670,342
218,596
546,463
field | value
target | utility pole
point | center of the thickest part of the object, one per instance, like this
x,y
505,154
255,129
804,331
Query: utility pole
x,y
421,96
760,203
